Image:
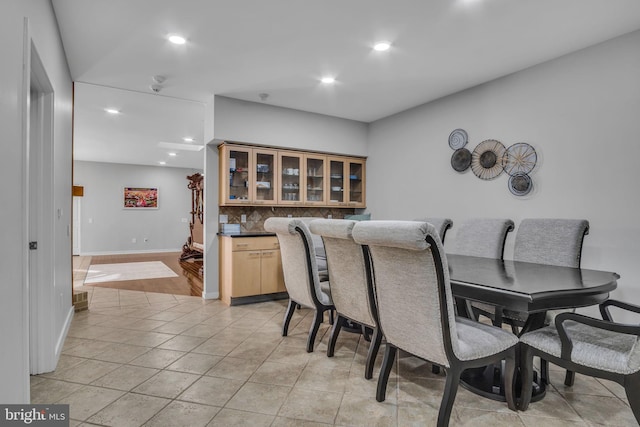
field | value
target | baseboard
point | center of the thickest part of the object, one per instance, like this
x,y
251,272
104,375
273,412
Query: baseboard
x,y
211,295
63,335
146,251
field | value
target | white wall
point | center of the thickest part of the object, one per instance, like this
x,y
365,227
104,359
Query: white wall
x,y
108,228
14,357
581,112
260,123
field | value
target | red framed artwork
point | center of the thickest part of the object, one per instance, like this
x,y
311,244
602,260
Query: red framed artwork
x,y
140,198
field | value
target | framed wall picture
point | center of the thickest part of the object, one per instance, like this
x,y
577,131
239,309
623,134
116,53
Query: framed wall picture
x,y
140,198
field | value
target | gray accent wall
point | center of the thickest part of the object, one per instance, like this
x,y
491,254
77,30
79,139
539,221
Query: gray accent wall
x,y
581,112
107,228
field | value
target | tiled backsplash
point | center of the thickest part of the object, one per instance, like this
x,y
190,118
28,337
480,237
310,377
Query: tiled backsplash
x,y
257,215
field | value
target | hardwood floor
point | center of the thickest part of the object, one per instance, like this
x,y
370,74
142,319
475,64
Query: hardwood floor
x,y
188,282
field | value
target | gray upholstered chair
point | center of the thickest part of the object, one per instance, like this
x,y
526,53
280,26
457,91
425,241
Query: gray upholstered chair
x,y
598,348
440,224
485,238
351,283
548,241
300,273
321,256
415,308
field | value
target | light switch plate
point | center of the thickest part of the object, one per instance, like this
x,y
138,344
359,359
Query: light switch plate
x,y
243,218
224,219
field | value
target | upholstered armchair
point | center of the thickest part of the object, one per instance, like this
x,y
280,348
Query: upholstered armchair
x,y
598,348
416,313
300,270
351,283
548,241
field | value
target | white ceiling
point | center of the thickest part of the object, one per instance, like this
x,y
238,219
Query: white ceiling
x,y
241,48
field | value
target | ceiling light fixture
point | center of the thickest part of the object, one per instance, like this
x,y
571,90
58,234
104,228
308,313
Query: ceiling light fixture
x,y
382,46
187,139
112,111
328,80
172,154
176,39
162,163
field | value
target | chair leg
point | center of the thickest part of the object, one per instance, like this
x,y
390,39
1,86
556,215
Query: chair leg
x,y
287,317
335,331
317,320
435,369
373,352
526,373
331,319
387,365
544,371
450,391
569,378
632,389
509,379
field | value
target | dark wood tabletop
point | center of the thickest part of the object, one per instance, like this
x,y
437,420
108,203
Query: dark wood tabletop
x,y
527,287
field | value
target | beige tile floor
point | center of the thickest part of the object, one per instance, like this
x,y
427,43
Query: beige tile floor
x,y
153,359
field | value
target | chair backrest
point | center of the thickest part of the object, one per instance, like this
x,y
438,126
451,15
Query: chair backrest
x,y
481,237
440,224
550,241
349,271
298,260
413,293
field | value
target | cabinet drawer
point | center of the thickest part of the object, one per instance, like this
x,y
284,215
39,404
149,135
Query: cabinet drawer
x,y
255,243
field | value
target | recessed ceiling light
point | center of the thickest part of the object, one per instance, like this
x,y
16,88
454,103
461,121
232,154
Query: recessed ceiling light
x,y
173,154
328,80
187,139
112,111
176,39
162,163
382,46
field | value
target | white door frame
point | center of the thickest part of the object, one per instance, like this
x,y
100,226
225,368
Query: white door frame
x,y
40,303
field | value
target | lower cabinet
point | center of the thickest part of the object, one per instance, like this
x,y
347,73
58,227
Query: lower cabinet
x,y
250,269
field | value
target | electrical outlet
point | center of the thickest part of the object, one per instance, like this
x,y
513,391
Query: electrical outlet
x,y
289,216
184,220
329,216
243,218
146,239
134,240
223,219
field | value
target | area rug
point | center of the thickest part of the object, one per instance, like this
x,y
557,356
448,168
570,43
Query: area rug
x,y
100,273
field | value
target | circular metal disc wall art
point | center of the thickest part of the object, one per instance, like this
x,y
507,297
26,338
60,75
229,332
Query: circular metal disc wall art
x,y
487,159
458,139
461,160
520,158
520,184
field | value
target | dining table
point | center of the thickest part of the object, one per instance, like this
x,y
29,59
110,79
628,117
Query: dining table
x,y
528,288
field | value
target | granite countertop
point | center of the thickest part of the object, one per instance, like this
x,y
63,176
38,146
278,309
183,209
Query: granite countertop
x,y
246,234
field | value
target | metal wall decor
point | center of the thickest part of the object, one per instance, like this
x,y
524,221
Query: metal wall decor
x,y
490,158
487,159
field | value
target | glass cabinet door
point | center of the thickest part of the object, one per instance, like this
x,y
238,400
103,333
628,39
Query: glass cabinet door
x,y
315,175
290,192
356,183
266,179
336,181
238,162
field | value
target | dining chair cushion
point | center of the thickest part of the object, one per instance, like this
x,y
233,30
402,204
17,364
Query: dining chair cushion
x,y
405,234
592,347
477,340
321,255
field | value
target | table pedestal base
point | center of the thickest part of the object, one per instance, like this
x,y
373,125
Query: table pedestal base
x,y
487,381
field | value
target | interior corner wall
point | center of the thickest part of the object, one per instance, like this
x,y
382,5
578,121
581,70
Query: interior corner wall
x,y
211,288
43,30
107,228
265,124
581,113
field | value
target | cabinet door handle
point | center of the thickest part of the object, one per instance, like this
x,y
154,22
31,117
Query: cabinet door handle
x,y
267,254
242,245
254,253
